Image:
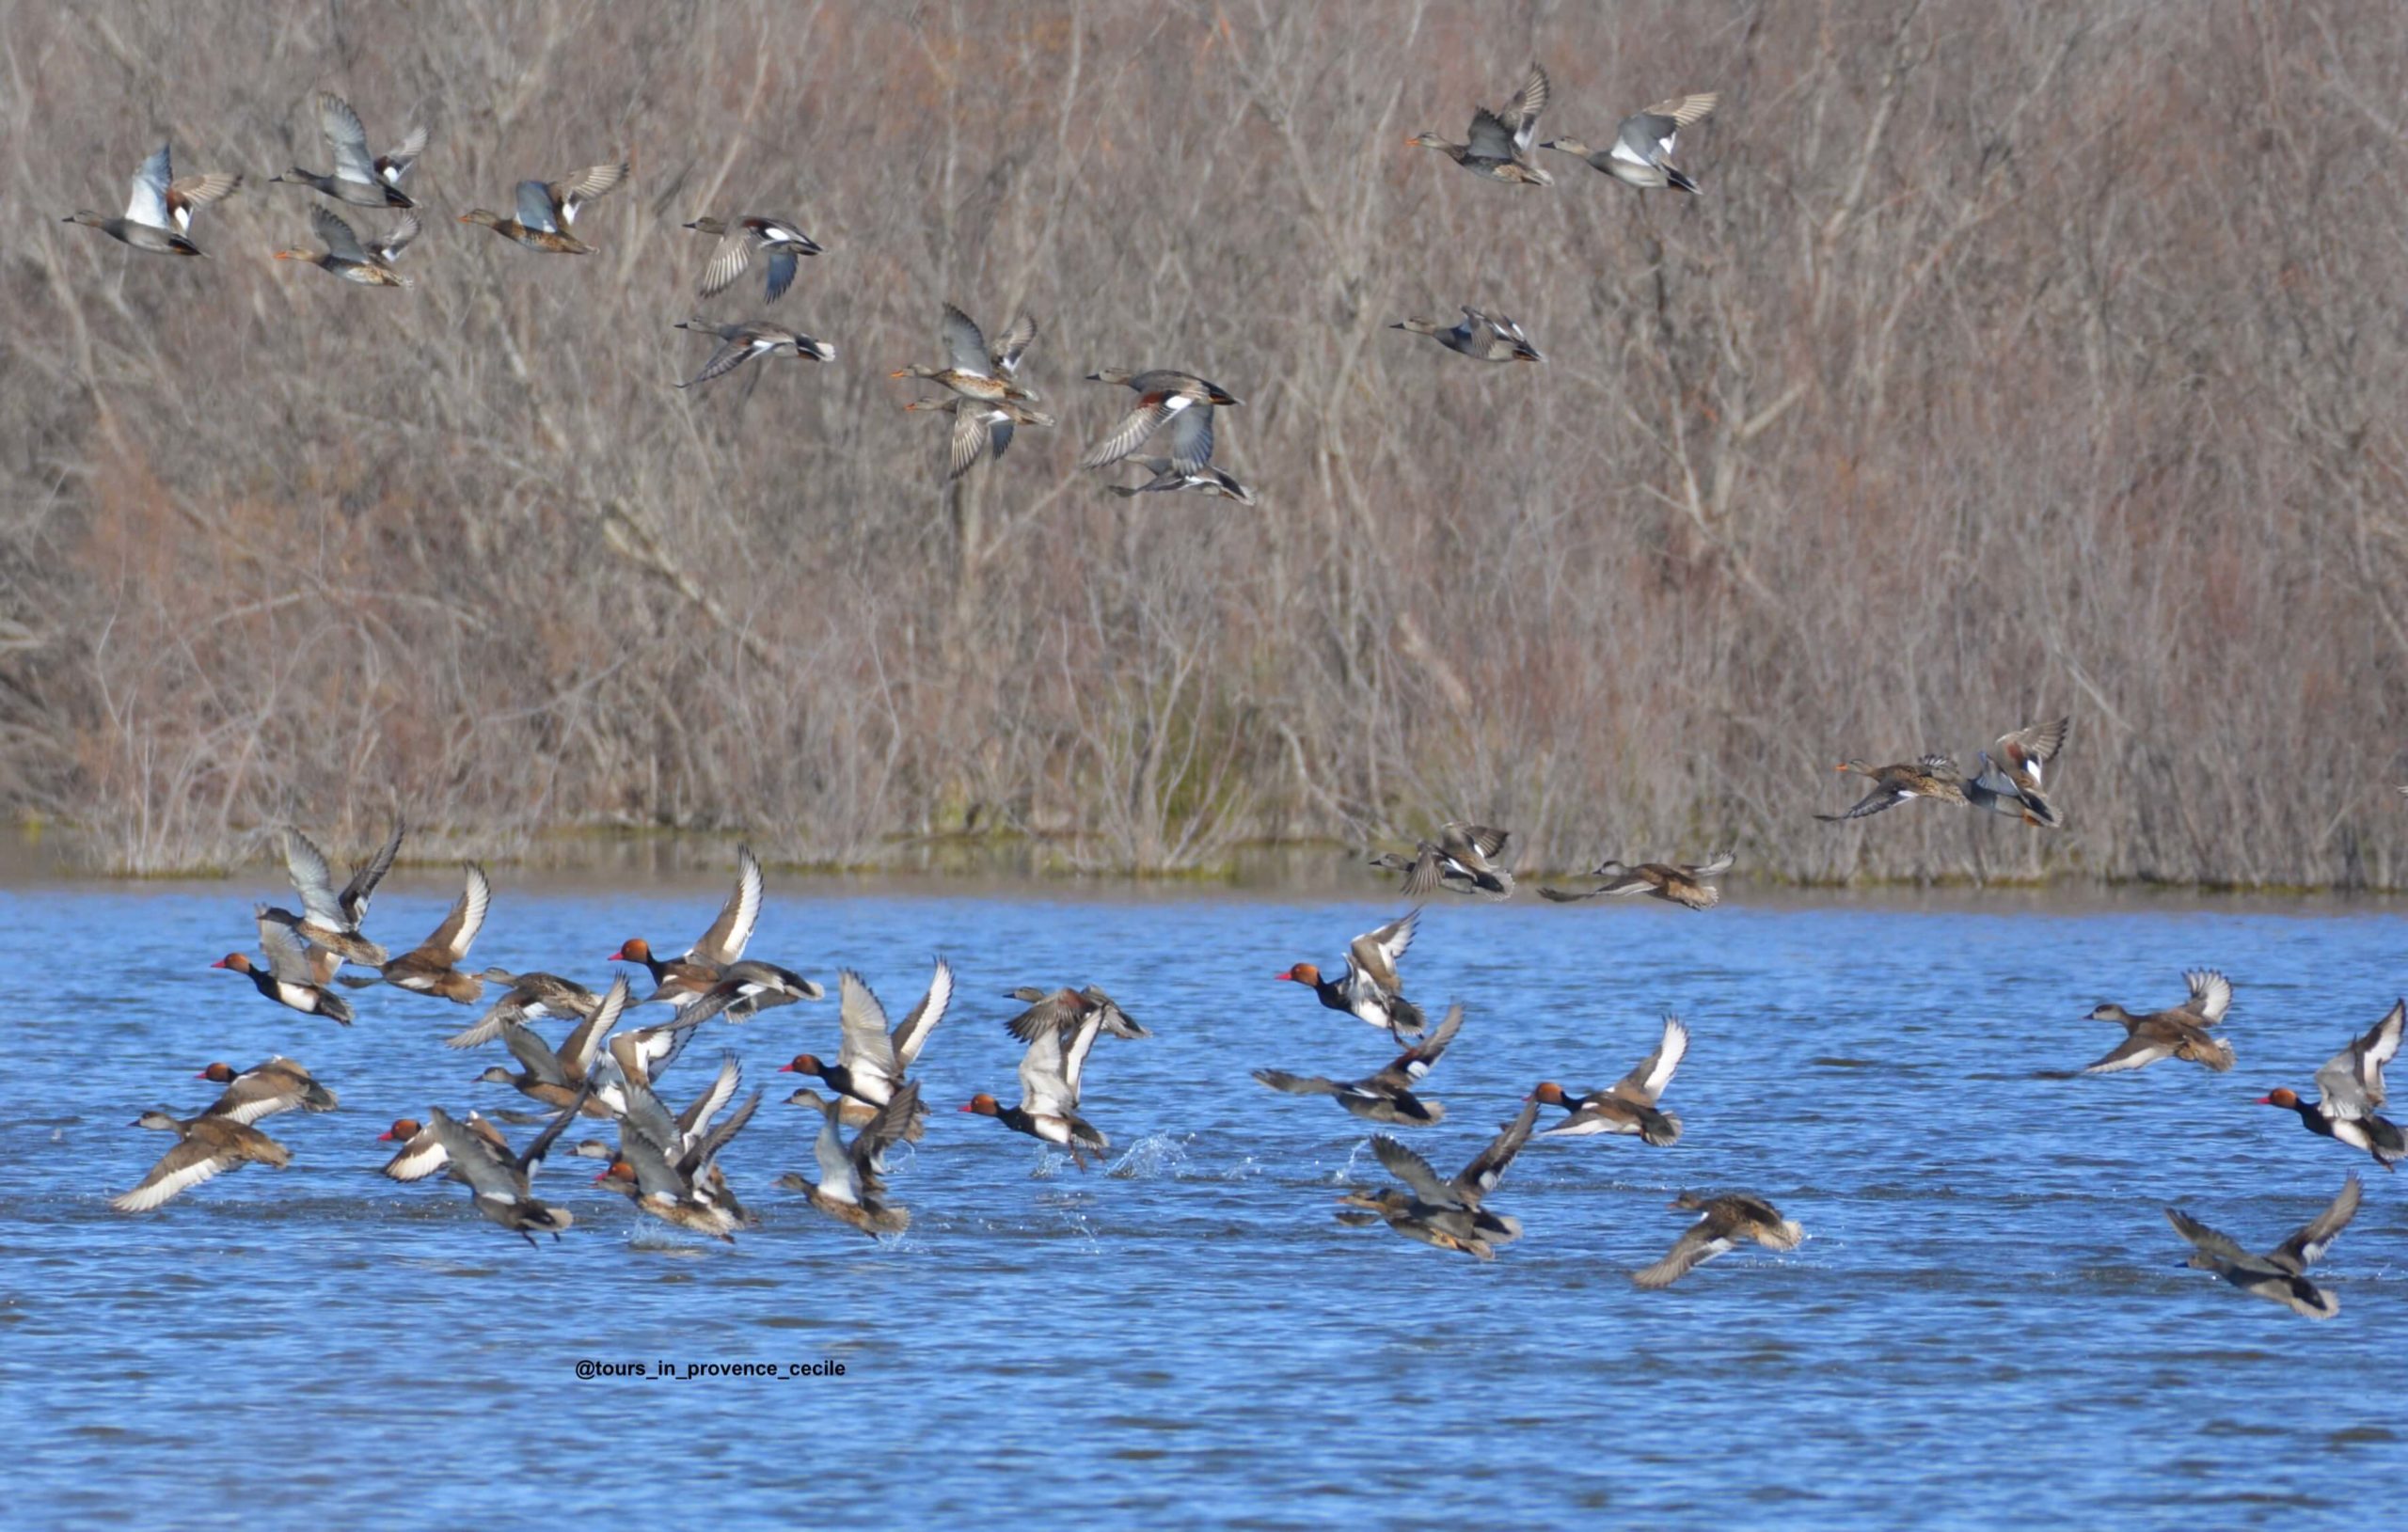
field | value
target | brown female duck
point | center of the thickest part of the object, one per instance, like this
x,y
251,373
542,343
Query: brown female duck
x,y
849,1190
431,968
974,370
1934,777
1678,882
2177,1032
2280,1274
1450,1213
548,211
206,1147
329,919
1722,1223
347,258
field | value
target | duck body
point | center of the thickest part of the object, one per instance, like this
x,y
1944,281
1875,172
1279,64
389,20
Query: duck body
x,y
206,1147
1640,154
1629,1105
1386,1096
2351,1090
1934,777
1478,336
1500,147
1368,989
1722,1223
780,241
2280,1275
1674,882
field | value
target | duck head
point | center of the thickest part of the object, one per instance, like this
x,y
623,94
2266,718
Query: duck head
x,y
1301,974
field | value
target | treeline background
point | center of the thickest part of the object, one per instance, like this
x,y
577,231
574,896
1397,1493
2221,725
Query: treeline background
x,y
2018,360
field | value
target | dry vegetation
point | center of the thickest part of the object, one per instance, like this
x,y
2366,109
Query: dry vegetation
x,y
2018,360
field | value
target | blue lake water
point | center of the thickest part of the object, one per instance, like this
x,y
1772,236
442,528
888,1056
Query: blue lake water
x,y
1990,1323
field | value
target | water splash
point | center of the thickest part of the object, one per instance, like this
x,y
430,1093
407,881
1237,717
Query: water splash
x,y
1154,1157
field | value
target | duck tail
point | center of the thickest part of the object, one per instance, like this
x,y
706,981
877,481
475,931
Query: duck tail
x,y
1679,181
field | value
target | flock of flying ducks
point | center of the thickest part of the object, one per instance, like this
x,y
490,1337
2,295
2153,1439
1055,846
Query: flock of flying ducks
x,y
667,1164
608,1067
984,393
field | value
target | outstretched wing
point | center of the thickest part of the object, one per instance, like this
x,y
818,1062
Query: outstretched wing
x,y
1646,1083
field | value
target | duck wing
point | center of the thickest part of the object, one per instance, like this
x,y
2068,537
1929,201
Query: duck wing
x,y
304,864
1375,954
1191,439
838,1181
2351,1082
2306,1248
2026,750
362,887
965,348
341,242
729,257
1130,431
1521,118
2211,1241
1491,137
1408,1068
2211,994
2144,1044
451,940
1415,1172
866,1049
146,202
589,185
1646,1083
534,1055
912,1035
348,138
538,207
1487,1168
1013,343
583,1045
288,960
724,943
1699,1242
1280,1080
972,427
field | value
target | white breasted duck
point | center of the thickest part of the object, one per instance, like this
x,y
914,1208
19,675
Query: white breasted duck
x,y
1465,859
289,979
1368,989
1628,1105
1642,152
498,1181
681,980
2351,1090
1049,1092
422,1154
850,1189
871,1060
